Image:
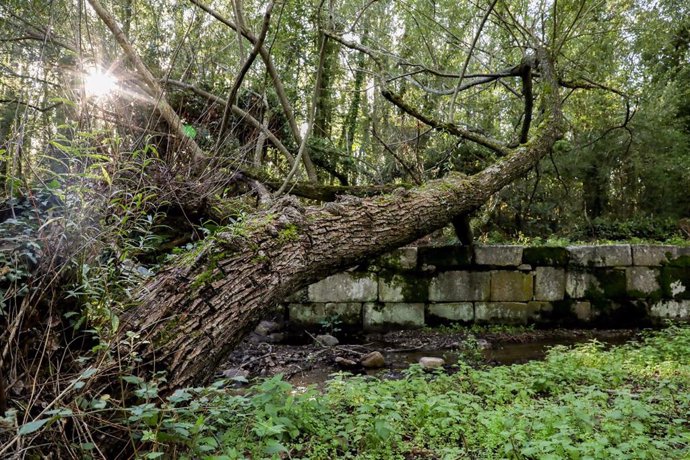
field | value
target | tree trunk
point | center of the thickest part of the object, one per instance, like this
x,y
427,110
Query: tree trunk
x,y
194,312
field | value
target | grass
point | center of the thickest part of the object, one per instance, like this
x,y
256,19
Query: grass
x,y
631,401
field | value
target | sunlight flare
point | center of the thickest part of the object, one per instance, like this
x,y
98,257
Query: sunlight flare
x,y
99,83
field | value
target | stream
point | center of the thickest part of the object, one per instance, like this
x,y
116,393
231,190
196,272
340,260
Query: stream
x,y
498,353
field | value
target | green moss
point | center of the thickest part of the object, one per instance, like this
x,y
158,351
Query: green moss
x,y
169,331
551,256
211,273
613,282
413,288
288,234
673,279
679,262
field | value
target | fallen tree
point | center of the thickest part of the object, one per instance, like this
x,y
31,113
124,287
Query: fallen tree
x,y
194,311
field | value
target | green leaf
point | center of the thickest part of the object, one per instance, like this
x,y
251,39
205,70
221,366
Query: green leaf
x,y
274,447
32,427
133,379
189,131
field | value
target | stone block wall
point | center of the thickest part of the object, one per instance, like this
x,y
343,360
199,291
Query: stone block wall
x,y
615,285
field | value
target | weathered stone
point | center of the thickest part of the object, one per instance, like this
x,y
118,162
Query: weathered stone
x,y
345,287
613,283
431,363
298,297
266,327
674,309
615,255
315,313
525,267
445,257
458,311
460,286
641,281
539,306
653,255
577,284
378,316
236,373
373,360
403,288
508,286
582,310
327,340
344,362
508,312
675,281
550,256
499,256
400,259
276,337
549,283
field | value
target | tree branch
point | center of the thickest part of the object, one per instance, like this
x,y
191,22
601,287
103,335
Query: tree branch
x,y
243,72
164,108
450,128
275,79
244,116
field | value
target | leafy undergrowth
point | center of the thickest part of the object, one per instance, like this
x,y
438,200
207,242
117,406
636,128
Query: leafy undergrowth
x,y
631,401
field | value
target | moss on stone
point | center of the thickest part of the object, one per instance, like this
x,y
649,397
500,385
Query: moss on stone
x,y
552,256
675,282
679,262
414,288
613,282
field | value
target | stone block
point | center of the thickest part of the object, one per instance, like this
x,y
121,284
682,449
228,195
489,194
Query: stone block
x,y
446,257
577,284
508,312
653,255
551,256
641,281
582,310
674,309
458,311
509,286
379,316
498,255
549,283
675,282
400,259
615,255
539,306
298,297
345,287
456,286
403,288
312,314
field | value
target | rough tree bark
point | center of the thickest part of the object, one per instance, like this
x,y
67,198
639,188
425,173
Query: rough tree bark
x,y
196,310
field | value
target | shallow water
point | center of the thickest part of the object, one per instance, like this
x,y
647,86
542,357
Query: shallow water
x,y
500,354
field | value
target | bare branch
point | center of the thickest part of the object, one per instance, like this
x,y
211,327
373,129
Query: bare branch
x,y
451,114
243,72
31,106
449,128
275,79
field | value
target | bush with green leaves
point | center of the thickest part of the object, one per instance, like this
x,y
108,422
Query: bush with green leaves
x,y
631,401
